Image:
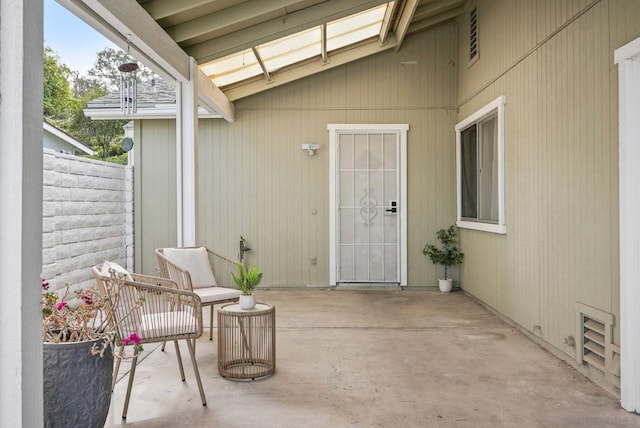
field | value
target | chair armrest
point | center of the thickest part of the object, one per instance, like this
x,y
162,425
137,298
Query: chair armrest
x,y
222,267
161,313
154,280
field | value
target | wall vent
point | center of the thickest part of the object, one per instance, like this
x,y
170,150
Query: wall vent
x,y
595,347
473,35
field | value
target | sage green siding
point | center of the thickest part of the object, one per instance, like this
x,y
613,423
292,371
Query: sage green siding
x,y
155,191
256,181
553,60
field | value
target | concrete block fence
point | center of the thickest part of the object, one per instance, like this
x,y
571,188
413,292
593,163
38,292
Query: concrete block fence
x,y
87,217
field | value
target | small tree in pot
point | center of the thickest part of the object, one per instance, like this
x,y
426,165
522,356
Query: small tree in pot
x,y
447,256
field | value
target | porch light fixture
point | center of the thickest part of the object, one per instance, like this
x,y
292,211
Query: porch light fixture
x,y
311,148
128,92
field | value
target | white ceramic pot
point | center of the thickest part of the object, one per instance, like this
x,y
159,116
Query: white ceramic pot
x,y
446,285
247,302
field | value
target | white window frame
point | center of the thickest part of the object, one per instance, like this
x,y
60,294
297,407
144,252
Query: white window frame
x,y
495,107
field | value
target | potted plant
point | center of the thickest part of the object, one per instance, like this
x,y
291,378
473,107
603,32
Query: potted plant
x,y
78,356
447,256
247,281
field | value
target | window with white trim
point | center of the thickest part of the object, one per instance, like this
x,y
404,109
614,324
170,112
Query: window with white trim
x,y
480,169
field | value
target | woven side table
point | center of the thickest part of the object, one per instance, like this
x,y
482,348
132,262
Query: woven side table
x,y
246,341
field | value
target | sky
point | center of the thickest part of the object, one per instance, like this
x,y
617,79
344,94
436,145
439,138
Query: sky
x,y
75,42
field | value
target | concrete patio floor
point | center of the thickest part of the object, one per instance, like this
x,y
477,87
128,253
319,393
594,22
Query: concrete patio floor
x,y
375,358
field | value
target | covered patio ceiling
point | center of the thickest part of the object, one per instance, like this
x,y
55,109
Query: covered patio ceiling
x,y
163,34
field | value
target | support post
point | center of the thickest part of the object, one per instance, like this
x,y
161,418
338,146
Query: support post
x,y
186,157
21,212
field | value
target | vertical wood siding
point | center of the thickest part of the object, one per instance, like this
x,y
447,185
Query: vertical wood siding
x,y
554,62
155,191
256,181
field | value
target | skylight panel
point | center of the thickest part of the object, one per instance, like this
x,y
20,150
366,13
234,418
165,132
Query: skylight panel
x,y
295,48
232,68
355,28
289,50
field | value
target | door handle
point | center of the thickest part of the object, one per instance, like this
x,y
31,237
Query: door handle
x,y
391,210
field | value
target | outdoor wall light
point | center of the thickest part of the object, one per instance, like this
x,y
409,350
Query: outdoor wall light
x,y
311,148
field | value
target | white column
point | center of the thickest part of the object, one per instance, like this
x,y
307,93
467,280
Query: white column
x,y
186,157
628,60
20,212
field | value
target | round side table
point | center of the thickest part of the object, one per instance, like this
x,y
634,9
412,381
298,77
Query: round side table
x,y
246,341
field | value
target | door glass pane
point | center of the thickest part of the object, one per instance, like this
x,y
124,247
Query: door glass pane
x,y
346,226
345,142
376,269
346,263
347,182
390,151
375,151
391,263
361,263
360,151
469,171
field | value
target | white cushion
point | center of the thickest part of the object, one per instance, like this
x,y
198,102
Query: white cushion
x,y
196,262
167,324
216,294
120,272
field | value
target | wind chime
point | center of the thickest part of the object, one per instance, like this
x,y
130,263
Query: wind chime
x,y
128,93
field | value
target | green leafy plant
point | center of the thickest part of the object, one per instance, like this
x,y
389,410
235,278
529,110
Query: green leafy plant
x,y
448,255
247,280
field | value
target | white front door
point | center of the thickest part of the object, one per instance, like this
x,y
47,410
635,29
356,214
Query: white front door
x,y
368,203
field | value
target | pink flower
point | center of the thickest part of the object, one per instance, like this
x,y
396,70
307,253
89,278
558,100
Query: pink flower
x,y
61,305
87,299
133,338
45,284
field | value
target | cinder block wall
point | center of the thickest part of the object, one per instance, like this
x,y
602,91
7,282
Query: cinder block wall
x,y
87,217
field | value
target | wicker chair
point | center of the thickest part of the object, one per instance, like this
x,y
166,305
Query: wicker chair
x,y
158,311
205,272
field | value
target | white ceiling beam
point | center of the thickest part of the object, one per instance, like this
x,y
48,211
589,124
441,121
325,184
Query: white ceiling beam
x,y
159,9
267,76
213,99
311,67
304,19
430,9
323,44
387,21
405,20
228,18
438,19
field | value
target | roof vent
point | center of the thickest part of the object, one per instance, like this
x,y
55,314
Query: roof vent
x,y
473,35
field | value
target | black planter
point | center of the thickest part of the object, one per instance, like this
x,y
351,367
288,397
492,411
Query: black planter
x,y
77,385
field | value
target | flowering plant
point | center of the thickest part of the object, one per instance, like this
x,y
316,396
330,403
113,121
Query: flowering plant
x,y
80,318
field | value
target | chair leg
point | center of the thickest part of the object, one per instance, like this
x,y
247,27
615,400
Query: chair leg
x,y
211,323
116,369
132,373
162,348
175,342
192,351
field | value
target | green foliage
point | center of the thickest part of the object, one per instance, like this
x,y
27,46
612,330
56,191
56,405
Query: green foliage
x,y
58,100
247,280
105,69
448,255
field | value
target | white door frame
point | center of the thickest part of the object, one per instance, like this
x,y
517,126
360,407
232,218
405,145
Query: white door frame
x,y
628,59
402,130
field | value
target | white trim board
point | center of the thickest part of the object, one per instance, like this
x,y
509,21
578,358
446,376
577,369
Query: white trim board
x,y
628,59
